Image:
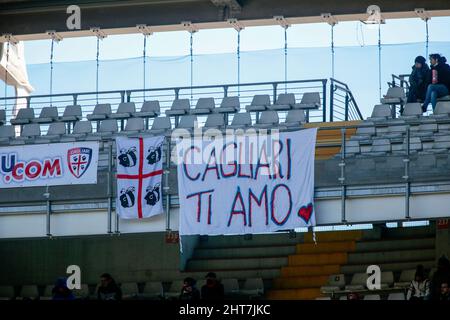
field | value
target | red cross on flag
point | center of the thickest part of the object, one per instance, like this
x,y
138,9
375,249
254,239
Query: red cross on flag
x,y
139,172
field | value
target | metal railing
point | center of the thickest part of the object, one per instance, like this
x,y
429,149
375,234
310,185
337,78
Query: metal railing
x,y
343,106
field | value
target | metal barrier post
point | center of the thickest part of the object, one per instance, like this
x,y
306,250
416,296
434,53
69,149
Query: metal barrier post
x,y
342,177
109,190
346,106
331,101
324,101
48,213
166,187
406,160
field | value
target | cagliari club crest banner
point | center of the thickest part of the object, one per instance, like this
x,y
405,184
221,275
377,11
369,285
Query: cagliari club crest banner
x,y
48,164
247,184
139,173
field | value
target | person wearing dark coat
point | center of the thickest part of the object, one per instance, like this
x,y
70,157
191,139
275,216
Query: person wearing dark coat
x,y
440,276
439,81
213,289
418,80
189,290
108,289
61,292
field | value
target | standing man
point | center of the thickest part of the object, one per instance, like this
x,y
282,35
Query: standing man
x,y
418,80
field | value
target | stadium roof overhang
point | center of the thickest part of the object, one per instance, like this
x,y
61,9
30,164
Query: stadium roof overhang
x,y
29,20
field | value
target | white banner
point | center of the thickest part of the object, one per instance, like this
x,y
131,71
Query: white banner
x,y
247,184
48,164
139,173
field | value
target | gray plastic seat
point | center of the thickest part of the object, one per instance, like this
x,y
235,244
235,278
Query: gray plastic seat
x,y
161,125
6,292
204,106
80,131
29,291
372,297
253,286
285,101
241,120
230,286
260,102
30,131
134,125
47,115
101,112
442,108
229,105
394,95
412,110
310,100
358,282
2,117
149,109
336,282
187,122
124,110
215,120
267,119
6,133
380,112
130,290
396,296
55,131
71,114
381,145
24,116
294,118
406,276
153,289
179,107
108,126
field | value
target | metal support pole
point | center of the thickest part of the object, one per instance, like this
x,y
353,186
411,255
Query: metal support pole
x,y
97,67
324,101
239,61
331,101
332,50
285,59
406,160
51,71
379,58
6,73
346,106
144,62
427,41
166,184
109,191
342,177
192,60
48,213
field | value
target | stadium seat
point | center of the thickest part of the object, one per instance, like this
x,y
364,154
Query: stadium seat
x,y
80,131
231,286
267,119
29,133
101,112
134,125
149,109
285,101
394,95
366,130
253,287
372,297
2,117
387,279
153,290
358,282
343,298
71,114
204,106
24,116
47,115
6,292
55,131
174,290
215,120
380,112
396,296
294,119
412,110
310,100
130,290
381,145
406,276
6,134
29,292
260,102
229,105
48,294
187,122
124,110
107,127
336,282
179,107
323,298
241,120
161,125
442,109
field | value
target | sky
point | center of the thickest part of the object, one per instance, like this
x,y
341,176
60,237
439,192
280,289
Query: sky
x,y
306,42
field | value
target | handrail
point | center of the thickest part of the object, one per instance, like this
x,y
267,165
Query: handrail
x,y
350,108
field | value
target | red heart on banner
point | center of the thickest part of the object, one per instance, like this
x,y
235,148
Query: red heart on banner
x,y
306,212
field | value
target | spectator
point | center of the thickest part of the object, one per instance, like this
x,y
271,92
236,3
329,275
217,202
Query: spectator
x,y
419,289
445,293
353,296
439,81
442,275
189,291
108,289
60,290
213,289
418,80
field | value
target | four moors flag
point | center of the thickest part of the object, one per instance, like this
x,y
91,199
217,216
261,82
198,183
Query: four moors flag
x,y
139,172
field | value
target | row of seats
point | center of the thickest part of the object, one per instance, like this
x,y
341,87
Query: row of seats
x,y
390,296
180,107
150,290
83,130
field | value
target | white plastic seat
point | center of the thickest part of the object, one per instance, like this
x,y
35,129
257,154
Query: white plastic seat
x,y
412,110
260,102
381,112
204,106
394,95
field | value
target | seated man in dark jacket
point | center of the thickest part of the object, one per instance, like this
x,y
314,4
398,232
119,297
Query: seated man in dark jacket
x,y
418,80
189,290
213,289
108,289
439,81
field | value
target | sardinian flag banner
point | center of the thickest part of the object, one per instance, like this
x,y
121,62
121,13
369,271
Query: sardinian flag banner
x,y
247,183
139,172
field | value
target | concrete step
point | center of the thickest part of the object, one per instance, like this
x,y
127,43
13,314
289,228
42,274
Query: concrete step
x,y
246,252
393,245
256,240
235,274
299,271
331,236
326,247
399,266
300,282
318,259
390,256
294,294
236,264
